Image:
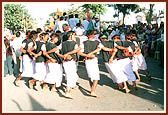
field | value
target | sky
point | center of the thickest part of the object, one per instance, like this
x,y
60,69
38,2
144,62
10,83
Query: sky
x,y
42,10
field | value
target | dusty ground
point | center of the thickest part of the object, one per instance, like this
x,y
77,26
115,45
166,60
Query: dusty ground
x,y
148,98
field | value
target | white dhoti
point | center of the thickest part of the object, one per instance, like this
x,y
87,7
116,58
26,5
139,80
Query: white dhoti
x,y
126,67
54,74
116,74
92,69
28,66
41,72
70,73
141,63
134,65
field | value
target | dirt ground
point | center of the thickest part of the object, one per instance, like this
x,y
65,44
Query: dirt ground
x,y
148,98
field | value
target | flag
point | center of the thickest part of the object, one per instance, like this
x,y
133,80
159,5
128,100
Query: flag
x,y
88,15
58,12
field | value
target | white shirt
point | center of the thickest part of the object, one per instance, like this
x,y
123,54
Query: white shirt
x,y
16,44
79,30
60,24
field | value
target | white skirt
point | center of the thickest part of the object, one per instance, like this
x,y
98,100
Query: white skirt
x,y
41,71
92,69
140,61
54,74
70,73
28,66
116,74
126,67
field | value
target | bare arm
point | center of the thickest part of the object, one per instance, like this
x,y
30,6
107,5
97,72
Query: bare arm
x,y
53,50
49,57
113,54
22,50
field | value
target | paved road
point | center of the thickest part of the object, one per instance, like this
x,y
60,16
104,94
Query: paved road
x,y
148,98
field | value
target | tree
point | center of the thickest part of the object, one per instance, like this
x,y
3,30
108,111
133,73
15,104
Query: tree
x,y
125,9
16,17
94,8
149,14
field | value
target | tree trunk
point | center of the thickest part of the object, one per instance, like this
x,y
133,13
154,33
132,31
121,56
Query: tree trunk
x,y
123,17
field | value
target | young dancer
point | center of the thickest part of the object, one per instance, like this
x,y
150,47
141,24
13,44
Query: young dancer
x,y
28,64
40,59
70,48
110,60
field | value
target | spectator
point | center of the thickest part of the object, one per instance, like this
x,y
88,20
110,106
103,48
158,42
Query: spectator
x,y
8,63
85,23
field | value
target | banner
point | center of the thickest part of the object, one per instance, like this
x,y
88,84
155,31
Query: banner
x,y
88,15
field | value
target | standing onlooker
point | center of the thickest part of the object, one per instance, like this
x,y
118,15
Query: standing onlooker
x,y
60,23
16,43
8,63
79,30
4,56
76,19
85,23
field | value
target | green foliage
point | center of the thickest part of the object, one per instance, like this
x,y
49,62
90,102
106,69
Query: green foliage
x,y
149,14
125,9
15,17
94,9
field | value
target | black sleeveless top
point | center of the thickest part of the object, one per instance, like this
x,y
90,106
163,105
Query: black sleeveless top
x,y
68,46
90,46
106,54
50,46
40,58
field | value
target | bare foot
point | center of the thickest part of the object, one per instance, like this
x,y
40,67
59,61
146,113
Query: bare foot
x,y
54,89
94,95
68,95
45,87
75,87
127,90
17,83
138,80
30,85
